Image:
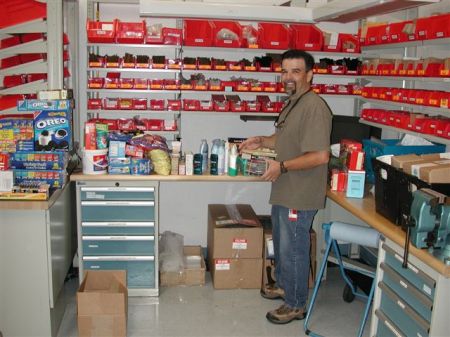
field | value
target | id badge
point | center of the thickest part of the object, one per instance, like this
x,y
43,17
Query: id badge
x,y
292,216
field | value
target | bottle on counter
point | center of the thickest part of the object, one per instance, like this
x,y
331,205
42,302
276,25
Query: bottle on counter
x,y
204,152
232,167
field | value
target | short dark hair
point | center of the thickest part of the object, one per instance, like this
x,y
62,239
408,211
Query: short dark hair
x,y
299,54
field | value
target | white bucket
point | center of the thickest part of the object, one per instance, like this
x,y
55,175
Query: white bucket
x,y
95,161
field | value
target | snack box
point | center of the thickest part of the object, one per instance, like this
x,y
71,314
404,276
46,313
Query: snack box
x,y
37,160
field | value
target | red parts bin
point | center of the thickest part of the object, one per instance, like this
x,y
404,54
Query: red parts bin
x,y
101,32
224,40
307,37
198,33
130,32
274,35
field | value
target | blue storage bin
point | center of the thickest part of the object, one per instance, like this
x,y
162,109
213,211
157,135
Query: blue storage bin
x,y
382,147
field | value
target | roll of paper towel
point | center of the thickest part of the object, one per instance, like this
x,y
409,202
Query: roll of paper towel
x,y
363,236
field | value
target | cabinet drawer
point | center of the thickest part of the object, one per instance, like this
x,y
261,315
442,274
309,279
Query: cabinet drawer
x,y
117,193
118,228
385,327
140,269
401,314
118,245
97,211
407,292
413,274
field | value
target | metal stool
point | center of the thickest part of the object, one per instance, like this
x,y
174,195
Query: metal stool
x,y
363,236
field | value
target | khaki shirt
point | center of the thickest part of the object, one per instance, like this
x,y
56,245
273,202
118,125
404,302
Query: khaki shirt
x,y
306,128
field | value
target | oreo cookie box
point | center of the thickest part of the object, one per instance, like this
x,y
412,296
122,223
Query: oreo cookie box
x,y
52,123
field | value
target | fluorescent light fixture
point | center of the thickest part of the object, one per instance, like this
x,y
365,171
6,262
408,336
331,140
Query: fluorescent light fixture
x,y
223,11
347,11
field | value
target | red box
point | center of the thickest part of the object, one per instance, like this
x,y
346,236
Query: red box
x,y
419,124
253,106
270,86
156,84
173,104
443,128
445,100
355,161
154,124
376,35
125,103
111,83
4,161
172,36
234,65
238,106
141,83
124,124
131,32
191,104
126,83
338,180
172,64
274,35
250,37
430,126
134,151
440,26
231,26
170,125
157,104
198,33
95,82
95,104
205,105
329,89
214,86
306,37
221,106
396,32
243,86
101,32
317,88
349,43
140,103
200,86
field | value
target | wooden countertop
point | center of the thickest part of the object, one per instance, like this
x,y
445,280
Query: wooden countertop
x,y
30,204
365,210
155,177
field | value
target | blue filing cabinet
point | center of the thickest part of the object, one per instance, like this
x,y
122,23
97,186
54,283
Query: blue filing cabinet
x,y
118,229
410,301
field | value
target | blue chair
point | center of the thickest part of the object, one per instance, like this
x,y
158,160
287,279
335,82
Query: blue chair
x,y
338,231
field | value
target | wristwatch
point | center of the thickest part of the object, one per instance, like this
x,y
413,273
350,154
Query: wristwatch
x,y
283,169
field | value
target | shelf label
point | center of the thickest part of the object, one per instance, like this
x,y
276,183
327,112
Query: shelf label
x,y
239,243
223,264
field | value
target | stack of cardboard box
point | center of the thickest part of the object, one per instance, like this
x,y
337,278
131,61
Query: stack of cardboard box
x,y
235,242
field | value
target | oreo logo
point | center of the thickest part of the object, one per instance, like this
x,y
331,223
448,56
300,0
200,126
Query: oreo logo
x,y
44,123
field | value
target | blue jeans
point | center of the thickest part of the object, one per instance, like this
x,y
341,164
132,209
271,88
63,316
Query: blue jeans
x,y
292,256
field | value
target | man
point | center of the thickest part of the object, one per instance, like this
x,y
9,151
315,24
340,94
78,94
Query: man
x,y
299,178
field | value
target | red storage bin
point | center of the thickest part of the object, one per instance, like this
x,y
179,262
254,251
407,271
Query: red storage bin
x,y
141,83
101,32
225,40
234,65
443,128
253,106
198,33
111,103
238,106
445,100
95,103
8,62
126,124
10,42
130,32
111,83
200,85
243,86
306,37
430,126
221,106
126,83
140,103
317,88
349,43
191,105
419,124
95,82
173,104
376,35
16,12
125,103
206,105
440,26
274,35
270,86
172,36
329,89
250,37
157,104
171,84
215,86
397,32
332,42
434,99
156,84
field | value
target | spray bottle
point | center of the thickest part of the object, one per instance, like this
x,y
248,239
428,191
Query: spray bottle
x,y
204,152
232,168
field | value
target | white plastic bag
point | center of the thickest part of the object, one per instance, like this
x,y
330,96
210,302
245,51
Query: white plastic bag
x,y
171,257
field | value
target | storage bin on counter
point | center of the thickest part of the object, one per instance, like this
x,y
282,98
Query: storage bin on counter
x,y
393,190
375,149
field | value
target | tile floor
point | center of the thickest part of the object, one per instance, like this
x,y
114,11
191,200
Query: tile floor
x,y
203,311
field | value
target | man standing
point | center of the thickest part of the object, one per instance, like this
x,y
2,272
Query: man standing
x,y
299,179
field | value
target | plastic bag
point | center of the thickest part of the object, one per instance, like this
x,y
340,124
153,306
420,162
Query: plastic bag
x,y
161,162
226,34
171,258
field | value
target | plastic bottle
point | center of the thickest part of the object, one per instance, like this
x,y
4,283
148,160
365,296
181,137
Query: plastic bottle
x,y
221,158
204,153
232,168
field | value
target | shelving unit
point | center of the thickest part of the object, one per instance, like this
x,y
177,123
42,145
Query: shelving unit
x,y
52,26
413,107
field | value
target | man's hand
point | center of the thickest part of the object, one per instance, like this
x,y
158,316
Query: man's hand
x,y
251,143
273,170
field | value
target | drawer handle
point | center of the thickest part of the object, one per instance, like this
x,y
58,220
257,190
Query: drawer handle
x,y
393,330
93,246
118,258
118,224
403,284
119,238
401,305
118,203
117,189
94,267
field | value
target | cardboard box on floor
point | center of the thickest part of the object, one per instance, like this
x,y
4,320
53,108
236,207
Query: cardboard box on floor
x,y
102,301
191,275
230,273
234,231
268,271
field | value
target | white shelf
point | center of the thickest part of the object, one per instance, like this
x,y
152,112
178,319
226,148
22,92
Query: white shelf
x,y
36,46
407,78
35,26
125,46
134,91
412,107
423,135
416,43
228,113
35,67
27,88
162,133
134,70
134,112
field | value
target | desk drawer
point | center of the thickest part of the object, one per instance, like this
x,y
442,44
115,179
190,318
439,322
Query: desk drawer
x,y
118,228
140,269
413,274
401,314
385,327
118,245
407,292
117,193
97,211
